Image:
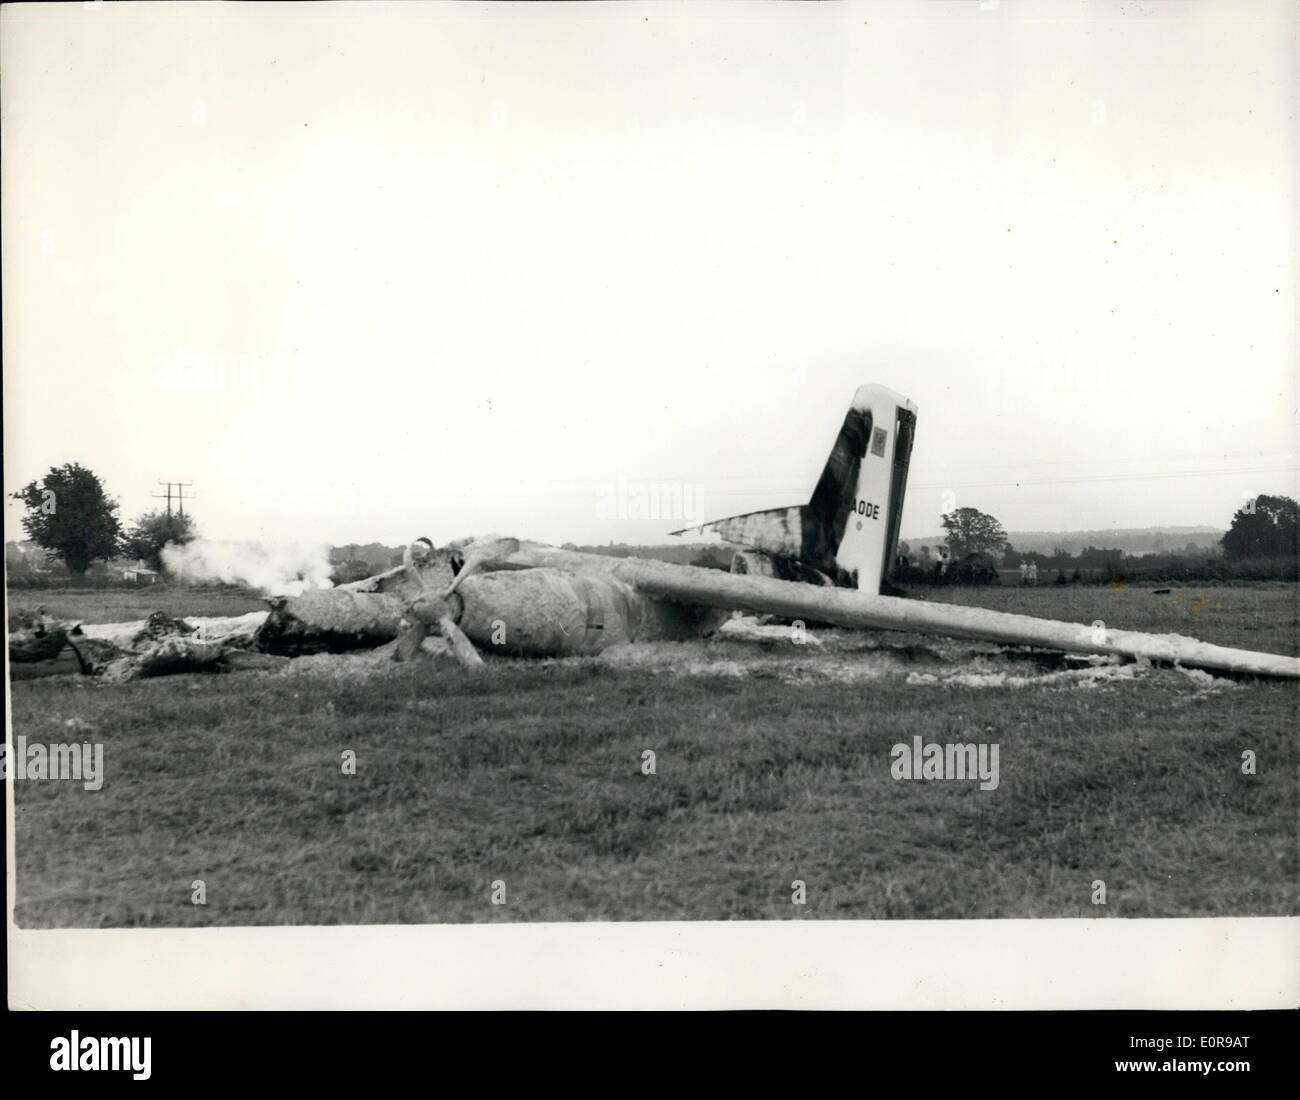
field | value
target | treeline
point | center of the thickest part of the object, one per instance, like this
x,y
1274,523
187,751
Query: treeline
x,y
1156,568
1262,544
1133,569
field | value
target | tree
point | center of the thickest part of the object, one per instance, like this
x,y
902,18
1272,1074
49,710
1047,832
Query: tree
x,y
1264,528
1096,557
971,531
153,531
350,570
72,517
974,568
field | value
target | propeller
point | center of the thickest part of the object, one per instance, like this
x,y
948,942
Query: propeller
x,y
429,609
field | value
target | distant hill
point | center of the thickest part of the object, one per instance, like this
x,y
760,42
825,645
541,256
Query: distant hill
x,y
1132,540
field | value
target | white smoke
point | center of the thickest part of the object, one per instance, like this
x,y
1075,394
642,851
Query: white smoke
x,y
281,569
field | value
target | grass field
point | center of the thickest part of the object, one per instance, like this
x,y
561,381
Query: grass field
x,y
1264,616
124,605
772,764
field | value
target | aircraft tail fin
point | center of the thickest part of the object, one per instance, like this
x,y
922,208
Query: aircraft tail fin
x,y
858,502
848,531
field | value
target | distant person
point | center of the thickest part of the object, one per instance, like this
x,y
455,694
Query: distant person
x,y
1033,573
1024,571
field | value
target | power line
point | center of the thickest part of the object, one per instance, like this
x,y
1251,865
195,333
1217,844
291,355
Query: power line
x,y
181,486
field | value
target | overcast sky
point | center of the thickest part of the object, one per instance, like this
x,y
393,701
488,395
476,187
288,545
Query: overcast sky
x,y
364,273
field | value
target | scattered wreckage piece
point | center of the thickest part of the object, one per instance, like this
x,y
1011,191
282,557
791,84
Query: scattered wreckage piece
x,y
156,646
151,657
34,636
165,645
38,646
232,630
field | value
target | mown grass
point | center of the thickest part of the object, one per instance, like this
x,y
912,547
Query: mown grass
x,y
123,605
531,774
1264,616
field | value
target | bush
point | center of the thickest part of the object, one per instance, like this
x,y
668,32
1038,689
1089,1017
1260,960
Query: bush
x,y
974,569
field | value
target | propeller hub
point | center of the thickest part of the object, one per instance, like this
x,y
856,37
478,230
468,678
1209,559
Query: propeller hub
x,y
431,607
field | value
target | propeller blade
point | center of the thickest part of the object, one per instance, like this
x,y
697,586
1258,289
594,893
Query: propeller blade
x,y
410,640
461,646
481,556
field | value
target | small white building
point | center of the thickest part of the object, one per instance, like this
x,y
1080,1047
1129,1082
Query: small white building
x,y
139,573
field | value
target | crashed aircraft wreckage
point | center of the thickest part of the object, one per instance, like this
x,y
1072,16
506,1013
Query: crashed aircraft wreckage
x,y
824,562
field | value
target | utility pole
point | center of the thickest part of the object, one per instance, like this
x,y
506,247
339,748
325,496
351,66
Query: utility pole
x,y
180,494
